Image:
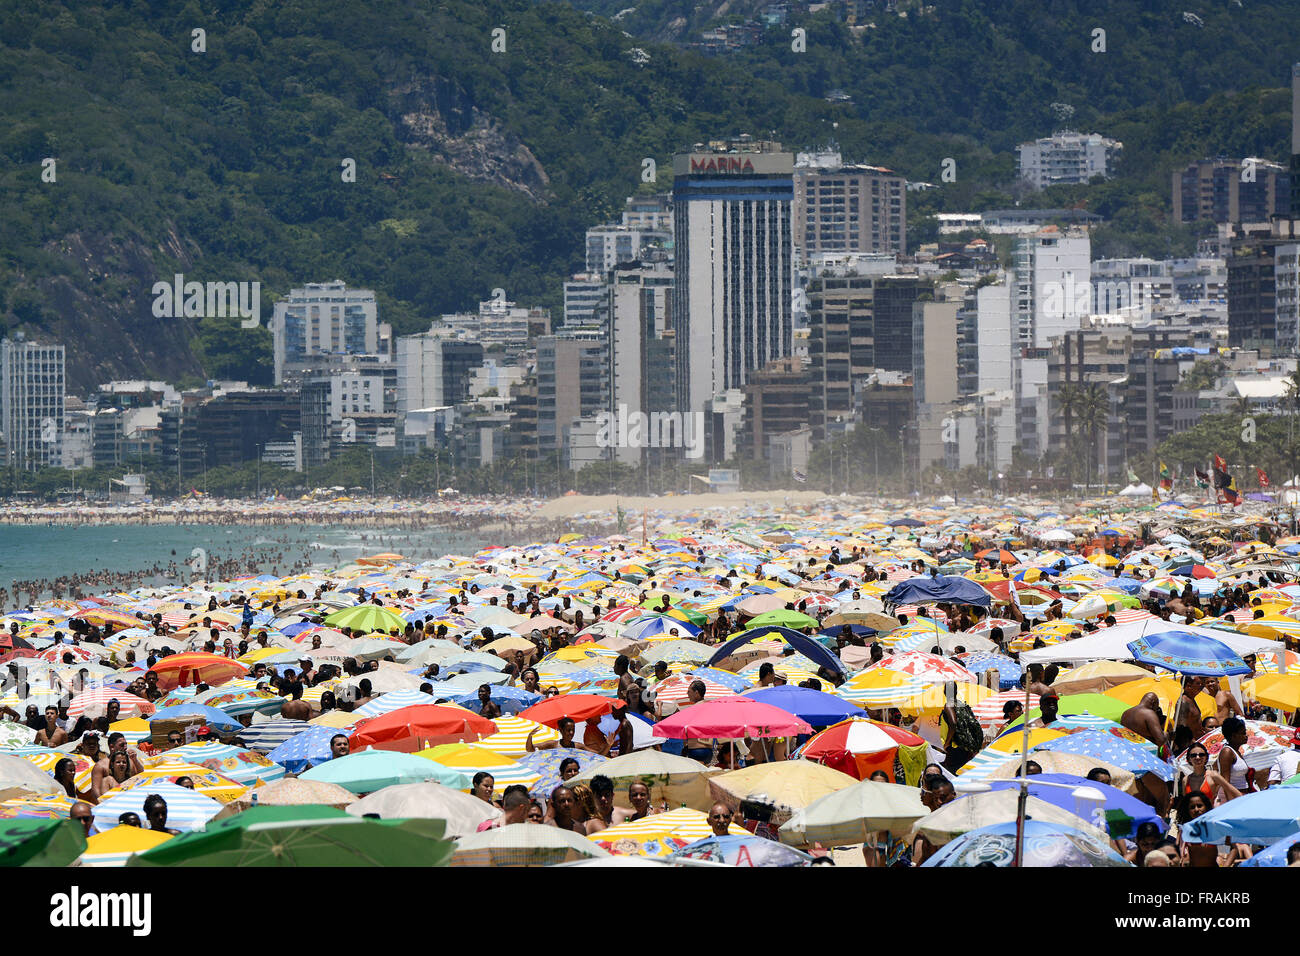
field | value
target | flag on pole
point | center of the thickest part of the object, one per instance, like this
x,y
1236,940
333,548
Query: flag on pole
x,y
1166,479
1263,478
1220,464
1132,478
1202,478
1225,484
1155,494
799,476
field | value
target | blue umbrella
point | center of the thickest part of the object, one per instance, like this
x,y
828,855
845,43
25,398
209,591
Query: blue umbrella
x,y
547,763
1046,844
1264,817
1124,813
511,700
1114,750
644,627
977,662
733,682
816,707
745,850
306,749
1188,653
1274,855
219,720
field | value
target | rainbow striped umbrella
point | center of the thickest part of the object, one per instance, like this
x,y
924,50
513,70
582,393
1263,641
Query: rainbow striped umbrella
x,y
47,806
659,834
207,782
247,767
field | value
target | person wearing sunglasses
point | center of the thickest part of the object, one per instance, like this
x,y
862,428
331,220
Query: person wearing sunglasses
x,y
1203,779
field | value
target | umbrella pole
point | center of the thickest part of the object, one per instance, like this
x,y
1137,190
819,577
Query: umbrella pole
x,y
1023,801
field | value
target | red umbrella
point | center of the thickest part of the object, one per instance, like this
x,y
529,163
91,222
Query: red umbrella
x,y
859,747
419,724
731,717
194,667
577,706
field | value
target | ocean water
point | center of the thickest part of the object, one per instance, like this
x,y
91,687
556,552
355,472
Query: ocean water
x,y
31,553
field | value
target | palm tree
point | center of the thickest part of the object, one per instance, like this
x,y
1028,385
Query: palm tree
x,y
1093,409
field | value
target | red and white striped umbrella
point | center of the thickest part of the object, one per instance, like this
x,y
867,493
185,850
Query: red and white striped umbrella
x,y
95,702
1131,614
673,689
925,667
989,711
55,653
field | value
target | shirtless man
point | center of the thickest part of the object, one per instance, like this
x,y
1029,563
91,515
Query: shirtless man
x,y
1036,683
1047,705
1187,711
563,805
565,726
1143,718
116,744
295,708
51,735
1225,706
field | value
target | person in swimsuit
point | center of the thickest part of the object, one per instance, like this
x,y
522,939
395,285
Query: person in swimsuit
x,y
1203,779
1190,806
1231,764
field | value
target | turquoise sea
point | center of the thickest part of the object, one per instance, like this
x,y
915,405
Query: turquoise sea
x,y
29,553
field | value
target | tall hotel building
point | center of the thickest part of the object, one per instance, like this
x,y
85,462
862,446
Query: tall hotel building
x,y
733,265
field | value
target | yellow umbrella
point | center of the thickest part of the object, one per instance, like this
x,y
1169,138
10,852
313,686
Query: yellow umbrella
x,y
1168,689
335,718
259,653
113,847
659,834
207,782
470,758
785,785
1011,743
1278,690
512,734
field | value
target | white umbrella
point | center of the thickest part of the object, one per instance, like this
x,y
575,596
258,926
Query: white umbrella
x,y
997,806
462,812
524,844
853,814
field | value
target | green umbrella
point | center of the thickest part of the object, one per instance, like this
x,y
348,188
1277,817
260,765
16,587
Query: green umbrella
x,y
304,836
783,617
40,842
372,770
366,617
1099,705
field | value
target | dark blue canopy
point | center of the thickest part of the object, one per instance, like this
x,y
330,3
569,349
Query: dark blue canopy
x,y
802,643
939,589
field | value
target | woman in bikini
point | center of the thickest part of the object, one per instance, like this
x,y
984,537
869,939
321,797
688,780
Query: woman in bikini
x,y
1210,783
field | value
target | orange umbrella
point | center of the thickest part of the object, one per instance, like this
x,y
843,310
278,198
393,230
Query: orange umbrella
x,y
194,667
387,557
577,706
419,726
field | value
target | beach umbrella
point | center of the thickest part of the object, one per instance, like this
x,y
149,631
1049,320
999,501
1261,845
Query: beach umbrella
x,y
289,792
817,708
1122,813
511,700
45,806
854,814
1276,854
46,843
195,667
1045,844
207,782
366,618
1278,690
973,811
1188,653
676,689
1098,677
929,668
373,770
511,738
747,850
860,747
469,759
246,766
784,786
15,735
395,700
576,706
1073,765
692,652
113,847
878,689
179,716
94,703
783,617
1265,817
547,764
19,773
265,736
186,809
730,718
420,725
1265,742
463,813
239,702
304,836
659,834
305,750
672,779
524,844
1113,750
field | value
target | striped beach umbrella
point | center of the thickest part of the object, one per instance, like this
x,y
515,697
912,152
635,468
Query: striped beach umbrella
x,y
48,759
511,737
240,700
879,689
247,767
659,834
46,806
114,847
266,735
469,759
186,809
207,782
394,700
95,702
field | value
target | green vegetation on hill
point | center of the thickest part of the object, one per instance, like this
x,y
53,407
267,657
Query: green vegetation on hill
x,y
477,170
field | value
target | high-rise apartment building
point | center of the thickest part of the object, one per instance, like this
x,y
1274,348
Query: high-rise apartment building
x,y
31,403
1067,157
433,370
641,342
733,243
1231,191
320,320
842,208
